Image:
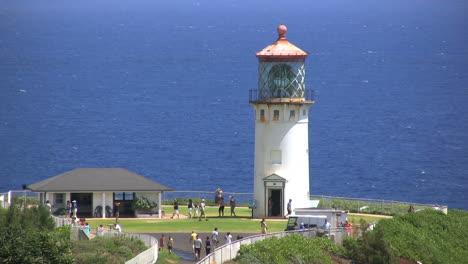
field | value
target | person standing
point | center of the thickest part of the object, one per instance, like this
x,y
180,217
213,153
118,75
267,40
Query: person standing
x,y
170,244
87,229
75,208
214,237
69,209
228,238
202,210
289,207
208,245
270,206
101,231
326,225
190,208
116,211
232,203
49,206
161,242
264,226
198,245
176,208
221,207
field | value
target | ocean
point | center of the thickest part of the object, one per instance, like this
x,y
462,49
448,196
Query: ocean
x,y
161,89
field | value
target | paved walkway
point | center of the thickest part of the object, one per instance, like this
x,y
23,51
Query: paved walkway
x,y
183,248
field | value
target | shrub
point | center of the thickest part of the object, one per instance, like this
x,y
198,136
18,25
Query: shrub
x,y
290,249
143,204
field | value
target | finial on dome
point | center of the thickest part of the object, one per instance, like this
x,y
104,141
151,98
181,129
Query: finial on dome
x,y
282,29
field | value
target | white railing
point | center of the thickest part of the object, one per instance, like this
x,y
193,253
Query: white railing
x,y
148,256
229,252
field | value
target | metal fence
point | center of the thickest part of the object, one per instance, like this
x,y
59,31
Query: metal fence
x,y
379,206
230,251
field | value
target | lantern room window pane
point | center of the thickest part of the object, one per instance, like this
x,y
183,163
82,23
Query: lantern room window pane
x,y
276,114
292,114
262,115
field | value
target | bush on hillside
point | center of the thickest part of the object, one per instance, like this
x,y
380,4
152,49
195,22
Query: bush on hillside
x,y
427,236
289,249
18,245
107,250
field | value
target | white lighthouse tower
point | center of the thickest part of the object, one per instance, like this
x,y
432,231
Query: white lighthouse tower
x,y
281,105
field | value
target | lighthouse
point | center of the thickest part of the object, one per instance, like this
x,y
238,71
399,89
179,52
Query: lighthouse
x,y
281,104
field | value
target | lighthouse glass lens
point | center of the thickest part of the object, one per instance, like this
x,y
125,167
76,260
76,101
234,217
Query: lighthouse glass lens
x,y
280,81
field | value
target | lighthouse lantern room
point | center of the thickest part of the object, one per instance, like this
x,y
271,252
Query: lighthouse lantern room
x,y
281,103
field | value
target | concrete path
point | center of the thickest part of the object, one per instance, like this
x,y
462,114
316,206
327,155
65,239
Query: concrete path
x,y
183,248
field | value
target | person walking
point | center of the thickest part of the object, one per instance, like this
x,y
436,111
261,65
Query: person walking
x,y
193,237
289,207
170,244
161,242
176,208
202,210
264,226
208,246
198,246
232,203
214,237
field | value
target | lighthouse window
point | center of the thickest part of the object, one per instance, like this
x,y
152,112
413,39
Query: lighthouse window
x,y
276,115
276,157
292,114
262,115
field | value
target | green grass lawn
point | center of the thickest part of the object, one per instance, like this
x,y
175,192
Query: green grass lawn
x,y
241,223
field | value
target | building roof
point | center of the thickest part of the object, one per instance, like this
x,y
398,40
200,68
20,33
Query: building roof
x,y
97,180
282,49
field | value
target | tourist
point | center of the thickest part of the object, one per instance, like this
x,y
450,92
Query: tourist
x,y
161,242
69,209
190,208
289,207
208,246
228,238
75,208
87,229
193,237
326,225
270,206
263,226
176,208
214,237
219,194
232,203
197,245
302,227
202,210
118,228
221,207
170,244
101,230
49,206
116,211
197,211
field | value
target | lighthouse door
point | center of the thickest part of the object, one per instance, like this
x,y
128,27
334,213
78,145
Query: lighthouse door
x,y
275,202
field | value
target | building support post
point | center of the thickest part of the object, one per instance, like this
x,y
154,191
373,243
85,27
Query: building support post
x,y
159,205
103,210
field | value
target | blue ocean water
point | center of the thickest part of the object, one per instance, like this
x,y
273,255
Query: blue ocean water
x,y
161,88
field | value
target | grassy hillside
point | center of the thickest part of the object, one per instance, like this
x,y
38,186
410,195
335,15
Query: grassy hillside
x,y
427,236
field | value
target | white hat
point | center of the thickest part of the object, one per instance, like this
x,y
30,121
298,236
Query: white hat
x,y
203,200
74,201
